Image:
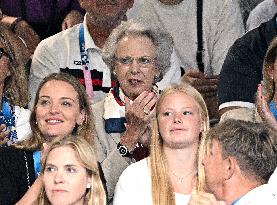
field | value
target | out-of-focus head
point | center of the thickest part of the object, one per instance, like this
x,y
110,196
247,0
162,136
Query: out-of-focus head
x,y
110,12
14,58
233,143
270,71
70,174
137,56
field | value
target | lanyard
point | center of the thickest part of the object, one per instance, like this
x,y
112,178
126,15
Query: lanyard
x,y
8,119
85,62
36,157
272,108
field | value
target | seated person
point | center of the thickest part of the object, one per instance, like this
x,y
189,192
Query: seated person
x,y
70,174
169,174
61,108
14,97
138,57
238,159
242,69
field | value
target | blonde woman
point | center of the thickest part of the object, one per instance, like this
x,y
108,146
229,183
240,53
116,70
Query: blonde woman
x,y
70,174
169,175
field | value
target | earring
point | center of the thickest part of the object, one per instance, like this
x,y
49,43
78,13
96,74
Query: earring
x,y
114,73
88,186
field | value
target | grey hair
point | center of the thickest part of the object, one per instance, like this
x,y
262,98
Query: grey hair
x,y
162,40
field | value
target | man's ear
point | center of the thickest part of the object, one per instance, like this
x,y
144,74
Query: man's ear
x,y
230,165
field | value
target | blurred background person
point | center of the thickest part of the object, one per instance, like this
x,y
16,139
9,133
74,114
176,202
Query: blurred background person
x,y
237,172
45,17
61,108
70,174
242,69
14,118
21,28
169,174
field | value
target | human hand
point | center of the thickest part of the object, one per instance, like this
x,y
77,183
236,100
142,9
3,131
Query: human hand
x,y
72,18
138,116
204,198
206,85
4,133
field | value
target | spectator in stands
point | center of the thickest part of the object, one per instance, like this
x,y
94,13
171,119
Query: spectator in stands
x,y
45,17
70,174
263,12
242,69
138,57
14,118
237,172
169,175
61,108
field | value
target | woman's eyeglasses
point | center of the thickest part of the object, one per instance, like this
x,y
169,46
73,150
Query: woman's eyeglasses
x,y
143,61
2,52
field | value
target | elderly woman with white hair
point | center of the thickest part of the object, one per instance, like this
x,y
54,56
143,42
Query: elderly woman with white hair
x,y
138,58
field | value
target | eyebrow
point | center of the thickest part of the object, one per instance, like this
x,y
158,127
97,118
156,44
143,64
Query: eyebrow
x,y
62,98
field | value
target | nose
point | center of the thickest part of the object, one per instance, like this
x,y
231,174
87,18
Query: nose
x,y
55,108
135,67
177,118
58,178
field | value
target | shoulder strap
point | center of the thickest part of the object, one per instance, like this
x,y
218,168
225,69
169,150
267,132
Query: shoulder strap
x,y
199,53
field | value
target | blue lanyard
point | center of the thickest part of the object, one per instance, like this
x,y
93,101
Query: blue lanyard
x,y
273,110
36,157
8,119
83,52
85,62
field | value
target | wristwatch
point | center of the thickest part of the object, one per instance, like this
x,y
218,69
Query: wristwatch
x,y
123,150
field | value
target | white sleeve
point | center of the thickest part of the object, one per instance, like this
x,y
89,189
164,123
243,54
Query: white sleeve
x,y
173,75
44,62
134,186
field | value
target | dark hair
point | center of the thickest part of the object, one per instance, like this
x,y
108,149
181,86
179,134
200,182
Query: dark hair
x,y
16,85
86,130
254,145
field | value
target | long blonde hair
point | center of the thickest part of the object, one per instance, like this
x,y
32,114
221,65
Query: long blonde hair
x,y
86,156
162,191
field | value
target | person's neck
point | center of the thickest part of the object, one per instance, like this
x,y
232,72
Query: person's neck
x,y
237,187
100,30
182,168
